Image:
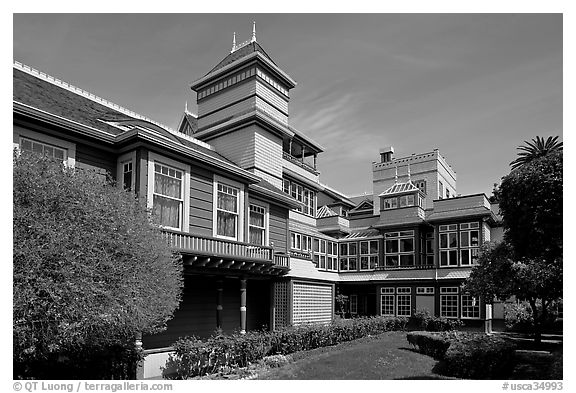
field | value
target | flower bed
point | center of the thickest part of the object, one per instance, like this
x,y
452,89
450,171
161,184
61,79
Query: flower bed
x,y
222,353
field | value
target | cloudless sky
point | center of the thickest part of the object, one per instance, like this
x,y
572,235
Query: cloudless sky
x,y
475,86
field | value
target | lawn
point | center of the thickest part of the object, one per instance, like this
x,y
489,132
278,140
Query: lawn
x,y
386,356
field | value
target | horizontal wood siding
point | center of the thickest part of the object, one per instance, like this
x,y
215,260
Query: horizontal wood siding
x,y
268,152
271,110
201,202
266,91
237,146
225,114
196,314
235,93
88,157
278,228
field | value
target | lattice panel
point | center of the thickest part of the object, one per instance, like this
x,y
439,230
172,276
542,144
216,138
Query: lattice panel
x,y
281,304
311,303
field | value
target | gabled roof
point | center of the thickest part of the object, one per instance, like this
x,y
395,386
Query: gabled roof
x,y
188,119
366,204
247,49
400,188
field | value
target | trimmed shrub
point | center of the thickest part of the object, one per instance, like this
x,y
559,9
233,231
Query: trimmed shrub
x,y
479,357
224,353
518,317
430,344
425,321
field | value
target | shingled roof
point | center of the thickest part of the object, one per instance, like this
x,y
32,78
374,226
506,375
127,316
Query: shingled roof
x,y
240,53
43,92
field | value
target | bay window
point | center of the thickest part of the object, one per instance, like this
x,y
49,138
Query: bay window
x,y
469,243
368,254
399,249
348,256
448,245
302,194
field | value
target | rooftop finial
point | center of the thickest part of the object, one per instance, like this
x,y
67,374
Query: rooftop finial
x,y
186,106
253,31
233,43
396,174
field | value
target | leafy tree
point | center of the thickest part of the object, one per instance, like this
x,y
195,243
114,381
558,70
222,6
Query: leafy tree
x,y
528,263
90,271
536,148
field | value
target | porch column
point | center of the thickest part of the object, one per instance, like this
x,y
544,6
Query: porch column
x,y
315,160
290,147
303,150
219,308
242,306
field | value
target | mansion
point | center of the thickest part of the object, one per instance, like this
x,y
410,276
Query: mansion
x,y
265,243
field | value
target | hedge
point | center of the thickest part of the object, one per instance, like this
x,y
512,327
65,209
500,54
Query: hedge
x,y
428,322
467,355
223,353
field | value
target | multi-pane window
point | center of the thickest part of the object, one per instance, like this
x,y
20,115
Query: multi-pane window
x,y
449,302
469,243
227,211
306,243
257,225
440,190
368,254
387,302
127,176
353,304
448,245
45,149
390,203
406,200
470,307
168,195
332,256
320,253
429,248
348,256
447,193
399,249
301,194
425,291
403,302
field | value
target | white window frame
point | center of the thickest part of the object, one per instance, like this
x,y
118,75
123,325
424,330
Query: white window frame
x,y
387,297
464,299
185,168
353,304
449,293
447,230
241,208
124,159
371,257
69,147
397,237
295,241
404,293
331,257
424,290
266,207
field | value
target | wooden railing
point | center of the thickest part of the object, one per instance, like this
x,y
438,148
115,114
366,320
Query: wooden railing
x,y
204,245
282,260
298,162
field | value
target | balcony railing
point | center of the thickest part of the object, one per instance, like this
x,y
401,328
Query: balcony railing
x,y
282,260
298,162
413,267
187,242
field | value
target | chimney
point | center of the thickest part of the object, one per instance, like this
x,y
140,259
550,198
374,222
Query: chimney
x,y
386,154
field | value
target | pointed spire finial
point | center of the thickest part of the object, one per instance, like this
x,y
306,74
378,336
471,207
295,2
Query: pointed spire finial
x,y
233,43
253,31
186,107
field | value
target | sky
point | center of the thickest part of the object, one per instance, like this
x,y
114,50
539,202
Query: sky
x,y
474,86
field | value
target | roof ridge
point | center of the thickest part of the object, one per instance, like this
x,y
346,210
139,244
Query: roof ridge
x,y
67,86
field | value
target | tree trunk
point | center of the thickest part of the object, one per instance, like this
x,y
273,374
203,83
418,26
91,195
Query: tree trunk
x,y
537,322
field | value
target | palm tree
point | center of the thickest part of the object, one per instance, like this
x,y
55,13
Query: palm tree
x,y
536,148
